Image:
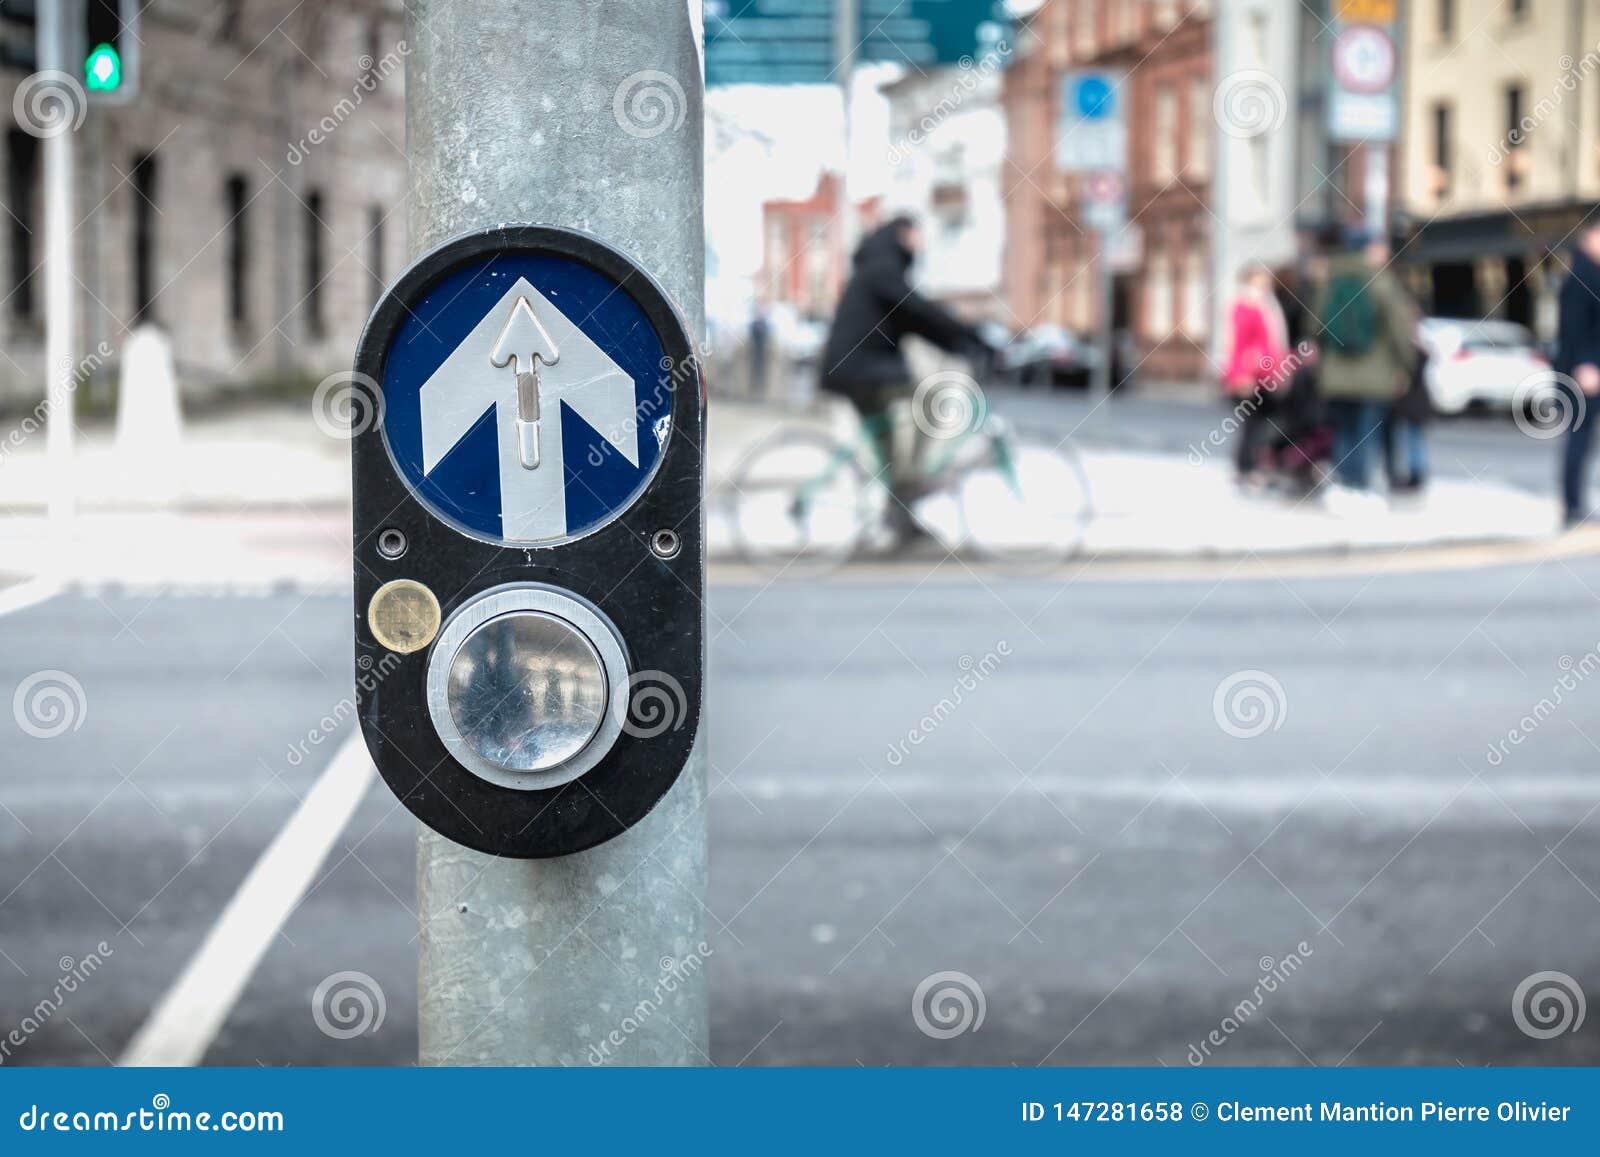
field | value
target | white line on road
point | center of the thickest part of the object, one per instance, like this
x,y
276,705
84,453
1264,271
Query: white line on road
x,y
27,594
187,1019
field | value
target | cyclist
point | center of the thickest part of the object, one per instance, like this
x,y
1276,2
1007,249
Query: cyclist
x,y
863,360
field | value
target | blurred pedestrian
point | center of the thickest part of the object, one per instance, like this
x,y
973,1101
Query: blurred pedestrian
x,y
1365,325
1578,361
1405,436
1258,344
759,348
863,359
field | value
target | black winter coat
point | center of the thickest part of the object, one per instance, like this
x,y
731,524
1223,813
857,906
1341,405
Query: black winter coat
x,y
876,311
1578,340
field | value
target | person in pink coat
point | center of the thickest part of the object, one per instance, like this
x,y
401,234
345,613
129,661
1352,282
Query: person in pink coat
x,y
1256,365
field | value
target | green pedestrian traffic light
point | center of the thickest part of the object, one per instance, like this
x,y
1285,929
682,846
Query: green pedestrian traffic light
x,y
102,69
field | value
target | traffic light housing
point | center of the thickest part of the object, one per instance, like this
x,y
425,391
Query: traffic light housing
x,y
108,63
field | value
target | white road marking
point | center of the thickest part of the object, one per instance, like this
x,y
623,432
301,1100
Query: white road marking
x,y
187,1019
28,594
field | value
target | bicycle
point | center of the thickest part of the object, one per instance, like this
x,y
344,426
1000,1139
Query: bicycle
x,y
804,500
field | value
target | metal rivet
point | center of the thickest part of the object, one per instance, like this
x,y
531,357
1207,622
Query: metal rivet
x,y
391,542
666,543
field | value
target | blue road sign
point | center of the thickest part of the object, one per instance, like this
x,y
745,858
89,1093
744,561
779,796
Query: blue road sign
x,y
1096,97
792,41
526,398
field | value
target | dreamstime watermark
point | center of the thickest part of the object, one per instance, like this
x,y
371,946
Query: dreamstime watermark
x,y
1274,974
74,974
1547,404
1548,1004
675,973
649,103
657,704
1276,373
948,404
1572,74
679,373
368,676
948,1004
50,103
49,703
346,404
1248,704
32,422
1249,103
373,74
1573,673
973,673
348,1004
969,78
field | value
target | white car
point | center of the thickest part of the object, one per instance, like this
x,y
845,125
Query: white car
x,y
1491,363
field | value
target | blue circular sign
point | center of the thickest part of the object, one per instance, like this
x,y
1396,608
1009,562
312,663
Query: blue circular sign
x,y
526,397
1096,98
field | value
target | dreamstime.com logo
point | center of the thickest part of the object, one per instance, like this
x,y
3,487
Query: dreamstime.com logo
x,y
1548,1004
348,1004
675,973
948,1004
657,704
948,404
1249,703
50,103
649,103
1249,103
49,703
1274,975
346,405
1547,404
75,973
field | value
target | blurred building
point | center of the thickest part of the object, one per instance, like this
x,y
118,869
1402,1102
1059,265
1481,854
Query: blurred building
x,y
804,263
250,200
1162,287
948,144
1501,160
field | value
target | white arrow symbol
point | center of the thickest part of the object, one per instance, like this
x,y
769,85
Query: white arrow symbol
x,y
524,333
533,503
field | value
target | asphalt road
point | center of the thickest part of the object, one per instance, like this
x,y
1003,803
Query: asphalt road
x,y
1078,827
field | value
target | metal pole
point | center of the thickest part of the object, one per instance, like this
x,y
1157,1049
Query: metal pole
x,y
60,341
1100,379
585,114
846,30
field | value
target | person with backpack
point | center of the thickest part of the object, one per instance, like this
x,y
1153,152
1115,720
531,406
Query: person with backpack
x,y
1364,322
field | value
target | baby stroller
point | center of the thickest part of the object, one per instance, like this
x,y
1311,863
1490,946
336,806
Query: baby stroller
x,y
1299,457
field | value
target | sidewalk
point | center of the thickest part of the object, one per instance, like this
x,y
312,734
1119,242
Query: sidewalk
x,y
265,493
1153,505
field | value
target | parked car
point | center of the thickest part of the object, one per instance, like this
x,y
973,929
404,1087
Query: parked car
x,y
1482,362
1054,355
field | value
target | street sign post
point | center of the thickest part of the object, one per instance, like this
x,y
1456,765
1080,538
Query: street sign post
x,y
530,569
1092,143
1362,93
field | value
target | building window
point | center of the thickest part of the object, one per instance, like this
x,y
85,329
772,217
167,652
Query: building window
x,y
143,180
236,197
1197,153
375,220
316,228
1195,322
1164,155
1445,15
1443,161
22,196
1516,136
1158,298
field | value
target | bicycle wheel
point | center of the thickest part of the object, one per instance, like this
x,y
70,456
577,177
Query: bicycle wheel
x,y
800,503
1026,503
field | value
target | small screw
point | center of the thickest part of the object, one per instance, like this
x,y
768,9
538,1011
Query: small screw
x,y
666,543
391,543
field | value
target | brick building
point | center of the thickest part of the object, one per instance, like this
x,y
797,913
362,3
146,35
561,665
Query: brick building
x,y
1162,291
251,200
803,258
